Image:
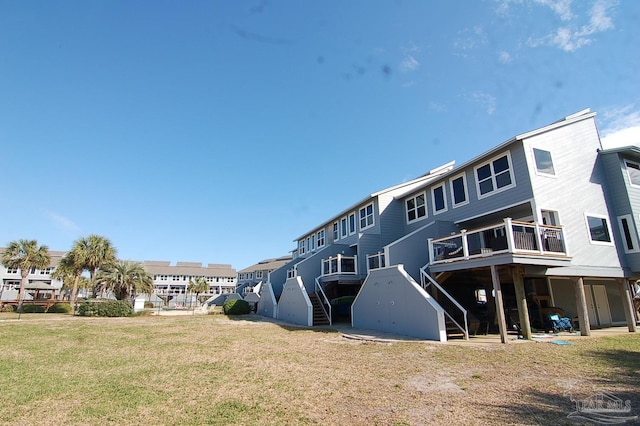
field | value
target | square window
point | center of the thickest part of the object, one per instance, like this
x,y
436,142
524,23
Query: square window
x,y
599,229
633,170
416,208
544,163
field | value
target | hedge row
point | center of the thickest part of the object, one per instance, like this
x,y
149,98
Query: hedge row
x,y
107,308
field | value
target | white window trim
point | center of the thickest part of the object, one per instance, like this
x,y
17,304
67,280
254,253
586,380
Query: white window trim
x,y
426,208
373,217
355,223
318,238
600,216
444,198
627,170
633,233
493,176
301,247
344,227
535,163
466,190
335,231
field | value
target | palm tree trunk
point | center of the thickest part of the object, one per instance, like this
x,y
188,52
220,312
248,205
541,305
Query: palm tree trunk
x,y
23,284
74,291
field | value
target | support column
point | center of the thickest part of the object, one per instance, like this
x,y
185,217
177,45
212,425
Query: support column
x,y
502,323
521,298
581,304
627,304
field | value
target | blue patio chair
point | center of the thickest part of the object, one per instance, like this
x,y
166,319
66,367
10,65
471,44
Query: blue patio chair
x,y
559,323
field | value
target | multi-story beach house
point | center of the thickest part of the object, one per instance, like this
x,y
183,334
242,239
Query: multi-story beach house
x,y
544,220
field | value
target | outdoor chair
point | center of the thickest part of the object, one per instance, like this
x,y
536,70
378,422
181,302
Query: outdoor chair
x,y
559,323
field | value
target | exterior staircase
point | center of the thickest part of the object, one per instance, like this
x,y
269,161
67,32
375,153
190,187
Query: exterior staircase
x,y
319,317
453,332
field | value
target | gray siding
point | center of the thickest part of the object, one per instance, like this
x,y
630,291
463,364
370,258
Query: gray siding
x,y
624,199
412,250
574,151
519,193
391,301
294,305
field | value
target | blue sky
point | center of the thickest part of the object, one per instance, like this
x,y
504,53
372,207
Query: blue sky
x,y
219,131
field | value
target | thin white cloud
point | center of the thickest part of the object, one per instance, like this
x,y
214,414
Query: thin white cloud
x,y
561,7
503,7
620,126
570,38
487,101
504,57
61,222
409,63
470,38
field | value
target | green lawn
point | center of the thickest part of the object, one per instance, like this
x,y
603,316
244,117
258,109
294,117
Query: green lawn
x,y
58,369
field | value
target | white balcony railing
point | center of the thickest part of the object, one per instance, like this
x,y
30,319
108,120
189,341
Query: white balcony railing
x,y
376,261
340,265
507,237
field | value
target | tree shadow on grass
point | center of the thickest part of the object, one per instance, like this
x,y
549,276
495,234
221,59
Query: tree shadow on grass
x,y
619,380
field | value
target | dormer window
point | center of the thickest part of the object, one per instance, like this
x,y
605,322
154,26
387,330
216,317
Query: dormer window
x,y
416,208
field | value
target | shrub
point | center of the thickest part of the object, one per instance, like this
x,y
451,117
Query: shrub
x,y
60,308
106,308
32,309
7,308
236,307
148,305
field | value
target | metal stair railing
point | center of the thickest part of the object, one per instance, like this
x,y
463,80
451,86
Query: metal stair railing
x,y
426,281
320,291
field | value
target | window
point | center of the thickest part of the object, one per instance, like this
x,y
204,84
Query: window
x,y
352,223
599,229
320,236
12,270
629,234
438,199
416,208
633,170
343,227
335,231
494,176
301,247
544,163
459,194
366,217
259,274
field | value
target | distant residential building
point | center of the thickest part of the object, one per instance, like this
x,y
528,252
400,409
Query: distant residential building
x,y
171,282
40,284
253,275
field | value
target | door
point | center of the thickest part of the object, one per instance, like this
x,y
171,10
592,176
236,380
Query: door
x,y
602,305
591,306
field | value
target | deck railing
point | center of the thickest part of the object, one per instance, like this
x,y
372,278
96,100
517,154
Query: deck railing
x,y
376,261
452,309
508,237
340,265
324,300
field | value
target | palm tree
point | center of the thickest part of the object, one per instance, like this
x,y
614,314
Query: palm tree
x,y
198,285
93,253
125,279
69,270
25,255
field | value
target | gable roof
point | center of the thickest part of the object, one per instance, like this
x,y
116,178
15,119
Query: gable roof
x,y
403,187
570,119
